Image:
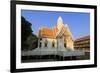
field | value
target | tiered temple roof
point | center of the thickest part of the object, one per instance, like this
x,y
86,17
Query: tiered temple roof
x,y
59,30
48,33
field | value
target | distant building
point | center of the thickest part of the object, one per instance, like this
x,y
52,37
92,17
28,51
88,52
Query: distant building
x,y
57,37
82,43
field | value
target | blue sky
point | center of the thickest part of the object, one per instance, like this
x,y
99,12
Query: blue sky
x,y
78,22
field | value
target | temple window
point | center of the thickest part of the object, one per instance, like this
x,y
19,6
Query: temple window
x,y
65,45
46,43
53,44
40,39
40,44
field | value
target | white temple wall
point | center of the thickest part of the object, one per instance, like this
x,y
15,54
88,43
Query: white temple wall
x,y
70,43
60,42
49,42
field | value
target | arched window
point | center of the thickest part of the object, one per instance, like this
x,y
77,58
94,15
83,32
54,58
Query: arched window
x,y
65,45
53,44
40,44
46,43
40,39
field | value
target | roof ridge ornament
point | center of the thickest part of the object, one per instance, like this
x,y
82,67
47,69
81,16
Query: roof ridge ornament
x,y
60,20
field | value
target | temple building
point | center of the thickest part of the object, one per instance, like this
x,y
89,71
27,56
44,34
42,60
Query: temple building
x,y
59,37
55,42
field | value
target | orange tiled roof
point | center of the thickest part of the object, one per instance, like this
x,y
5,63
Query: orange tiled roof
x,y
48,33
83,38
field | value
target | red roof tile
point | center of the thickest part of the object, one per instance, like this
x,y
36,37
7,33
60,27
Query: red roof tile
x,y
48,33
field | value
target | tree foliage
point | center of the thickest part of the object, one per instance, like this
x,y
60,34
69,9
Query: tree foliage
x,y
28,39
25,28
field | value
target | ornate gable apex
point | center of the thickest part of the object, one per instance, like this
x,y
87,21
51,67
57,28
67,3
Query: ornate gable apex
x,y
60,23
60,20
68,31
63,29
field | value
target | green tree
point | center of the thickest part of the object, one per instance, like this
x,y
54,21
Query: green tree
x,y
25,28
28,39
